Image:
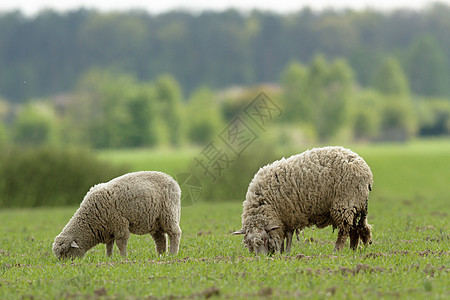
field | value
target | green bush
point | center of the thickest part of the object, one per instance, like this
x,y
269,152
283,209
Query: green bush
x,y
3,135
31,177
232,182
434,117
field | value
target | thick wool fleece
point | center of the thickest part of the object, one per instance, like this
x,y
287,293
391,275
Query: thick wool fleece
x,y
321,187
138,203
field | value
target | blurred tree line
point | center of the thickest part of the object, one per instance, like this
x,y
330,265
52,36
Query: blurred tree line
x,y
321,102
46,54
94,79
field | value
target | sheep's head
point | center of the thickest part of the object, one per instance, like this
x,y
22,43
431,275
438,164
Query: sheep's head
x,y
259,240
66,247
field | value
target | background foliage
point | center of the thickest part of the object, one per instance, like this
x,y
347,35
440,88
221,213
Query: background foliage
x,y
131,79
50,176
45,55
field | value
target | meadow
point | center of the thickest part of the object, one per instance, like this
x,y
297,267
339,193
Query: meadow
x,y
410,257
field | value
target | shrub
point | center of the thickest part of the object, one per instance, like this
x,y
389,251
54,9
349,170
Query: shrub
x,y
233,182
434,117
45,176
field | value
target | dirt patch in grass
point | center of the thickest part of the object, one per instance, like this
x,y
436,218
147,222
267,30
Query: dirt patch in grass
x,y
202,232
424,228
439,214
185,260
406,252
100,292
438,239
430,269
361,268
205,294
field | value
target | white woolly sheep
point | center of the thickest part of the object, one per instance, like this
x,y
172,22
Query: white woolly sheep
x,y
321,187
139,203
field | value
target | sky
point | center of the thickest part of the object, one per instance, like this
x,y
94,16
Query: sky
x,y
31,7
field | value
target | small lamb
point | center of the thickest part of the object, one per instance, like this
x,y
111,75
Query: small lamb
x,y
139,203
321,187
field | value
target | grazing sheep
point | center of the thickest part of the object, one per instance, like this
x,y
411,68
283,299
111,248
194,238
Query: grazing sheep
x,y
138,203
321,187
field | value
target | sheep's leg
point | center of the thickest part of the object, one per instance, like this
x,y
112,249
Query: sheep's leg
x,y
341,239
342,216
289,235
109,248
160,241
174,238
364,231
354,238
121,243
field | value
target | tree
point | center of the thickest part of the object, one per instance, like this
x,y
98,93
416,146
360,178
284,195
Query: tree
x,y
398,120
426,67
336,34
3,131
98,115
297,107
110,37
169,98
203,117
329,89
390,79
434,117
3,134
36,124
366,115
142,126
364,61
115,110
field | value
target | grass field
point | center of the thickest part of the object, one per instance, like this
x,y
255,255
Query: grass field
x,y
169,161
409,259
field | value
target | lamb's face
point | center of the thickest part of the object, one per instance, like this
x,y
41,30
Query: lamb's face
x,y
65,247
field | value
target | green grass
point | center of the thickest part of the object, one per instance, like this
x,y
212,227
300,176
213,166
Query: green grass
x,y
401,171
408,171
409,259
170,161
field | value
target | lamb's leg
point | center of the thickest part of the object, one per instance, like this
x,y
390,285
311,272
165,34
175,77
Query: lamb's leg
x,y
289,235
121,243
174,238
109,248
341,239
160,241
354,238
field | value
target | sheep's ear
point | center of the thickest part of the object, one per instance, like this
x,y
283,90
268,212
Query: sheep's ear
x,y
240,231
74,245
271,227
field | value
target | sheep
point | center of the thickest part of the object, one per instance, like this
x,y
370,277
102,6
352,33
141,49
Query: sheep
x,y
321,187
139,203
